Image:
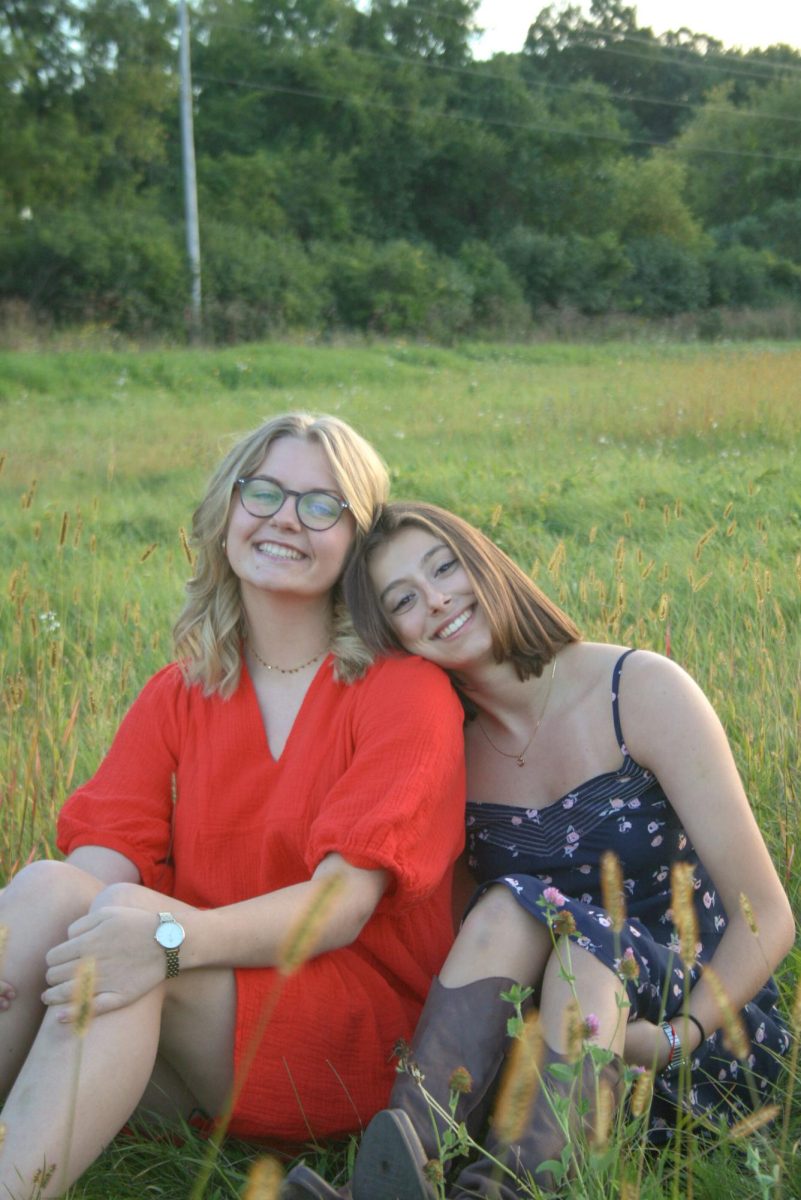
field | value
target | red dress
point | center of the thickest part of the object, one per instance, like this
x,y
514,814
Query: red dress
x,y
373,770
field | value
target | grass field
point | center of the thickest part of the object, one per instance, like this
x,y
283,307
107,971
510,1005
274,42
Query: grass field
x,y
655,492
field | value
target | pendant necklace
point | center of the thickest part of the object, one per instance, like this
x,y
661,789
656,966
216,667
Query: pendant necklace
x,y
286,670
520,758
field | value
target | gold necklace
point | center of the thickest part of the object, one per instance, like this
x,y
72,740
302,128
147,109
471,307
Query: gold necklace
x,y
286,670
521,757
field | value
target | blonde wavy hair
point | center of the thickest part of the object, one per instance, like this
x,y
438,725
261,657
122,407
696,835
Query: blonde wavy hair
x,y
209,632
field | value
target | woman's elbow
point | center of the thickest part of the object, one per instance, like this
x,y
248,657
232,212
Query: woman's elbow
x,y
788,929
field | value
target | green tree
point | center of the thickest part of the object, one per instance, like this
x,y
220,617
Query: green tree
x,y
743,159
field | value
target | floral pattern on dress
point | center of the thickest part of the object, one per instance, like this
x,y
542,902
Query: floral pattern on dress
x,y
560,846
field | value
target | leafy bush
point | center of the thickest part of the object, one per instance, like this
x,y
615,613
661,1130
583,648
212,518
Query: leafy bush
x,y
740,275
121,268
498,301
396,287
255,284
566,270
666,278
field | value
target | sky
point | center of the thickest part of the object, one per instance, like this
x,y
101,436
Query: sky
x,y
746,24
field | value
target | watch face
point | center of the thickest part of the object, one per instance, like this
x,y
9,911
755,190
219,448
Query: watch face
x,y
170,935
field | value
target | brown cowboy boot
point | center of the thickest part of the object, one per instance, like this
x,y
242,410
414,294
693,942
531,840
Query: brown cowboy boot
x,y
459,1027
303,1183
562,1107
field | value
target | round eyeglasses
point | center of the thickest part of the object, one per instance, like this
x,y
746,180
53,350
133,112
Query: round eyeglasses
x,y
263,497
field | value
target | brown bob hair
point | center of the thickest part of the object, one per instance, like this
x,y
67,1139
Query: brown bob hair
x,y
527,628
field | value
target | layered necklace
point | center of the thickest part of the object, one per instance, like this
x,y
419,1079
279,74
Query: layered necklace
x,y
287,670
520,758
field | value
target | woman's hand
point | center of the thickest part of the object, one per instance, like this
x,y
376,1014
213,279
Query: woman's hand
x,y
128,962
8,993
646,1046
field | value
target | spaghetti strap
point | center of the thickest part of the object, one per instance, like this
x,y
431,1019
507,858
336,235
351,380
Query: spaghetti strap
x,y
616,701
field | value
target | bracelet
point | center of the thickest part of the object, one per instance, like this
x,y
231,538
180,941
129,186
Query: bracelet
x,y
698,1026
676,1059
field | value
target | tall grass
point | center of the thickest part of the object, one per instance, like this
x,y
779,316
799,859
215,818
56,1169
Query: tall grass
x,y
654,492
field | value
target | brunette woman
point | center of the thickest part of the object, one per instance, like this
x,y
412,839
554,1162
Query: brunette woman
x,y
573,749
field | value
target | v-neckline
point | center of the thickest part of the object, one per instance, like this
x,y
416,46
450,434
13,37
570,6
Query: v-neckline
x,y
277,759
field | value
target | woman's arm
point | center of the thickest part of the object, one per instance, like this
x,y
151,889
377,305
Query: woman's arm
x,y
254,933
671,728
106,865
305,919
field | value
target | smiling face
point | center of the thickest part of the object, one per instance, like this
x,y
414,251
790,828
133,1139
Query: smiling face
x,y
278,553
428,599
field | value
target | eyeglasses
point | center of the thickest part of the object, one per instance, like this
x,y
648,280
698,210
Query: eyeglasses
x,y
263,497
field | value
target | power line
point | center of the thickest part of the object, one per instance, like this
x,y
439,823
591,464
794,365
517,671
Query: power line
x,y
636,37
733,70
730,57
475,73
469,118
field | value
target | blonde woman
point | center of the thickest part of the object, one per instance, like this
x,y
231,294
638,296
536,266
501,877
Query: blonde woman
x,y
573,749
268,758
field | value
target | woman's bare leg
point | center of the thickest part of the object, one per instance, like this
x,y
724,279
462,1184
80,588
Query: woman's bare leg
x,y
58,1116
498,938
36,908
575,975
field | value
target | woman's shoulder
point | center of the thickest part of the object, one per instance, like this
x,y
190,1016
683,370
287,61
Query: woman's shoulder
x,y
170,688
405,678
597,662
406,668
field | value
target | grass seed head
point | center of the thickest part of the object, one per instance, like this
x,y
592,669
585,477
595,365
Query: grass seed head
x,y
748,913
630,1186
684,915
754,1121
735,1038
641,1093
604,1115
264,1180
575,1031
303,938
520,1081
612,889
83,1004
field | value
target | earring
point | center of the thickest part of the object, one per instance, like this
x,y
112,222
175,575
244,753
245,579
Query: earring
x,y
222,544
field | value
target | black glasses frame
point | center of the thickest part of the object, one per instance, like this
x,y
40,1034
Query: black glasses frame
x,y
285,492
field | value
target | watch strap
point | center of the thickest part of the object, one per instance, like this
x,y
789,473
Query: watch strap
x,y
171,953
676,1058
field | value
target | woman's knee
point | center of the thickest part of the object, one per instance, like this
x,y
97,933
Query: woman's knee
x,y
52,884
497,915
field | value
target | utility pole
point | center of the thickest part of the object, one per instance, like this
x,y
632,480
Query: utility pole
x,y
190,179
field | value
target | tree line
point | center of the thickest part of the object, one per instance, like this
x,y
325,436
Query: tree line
x,y
360,168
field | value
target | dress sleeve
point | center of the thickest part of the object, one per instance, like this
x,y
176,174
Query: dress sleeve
x,y
127,804
400,804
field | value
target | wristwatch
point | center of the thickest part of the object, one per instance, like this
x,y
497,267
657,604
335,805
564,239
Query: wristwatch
x,y
676,1058
170,936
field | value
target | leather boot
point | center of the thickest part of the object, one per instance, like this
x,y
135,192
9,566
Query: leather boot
x,y
459,1027
303,1183
562,1108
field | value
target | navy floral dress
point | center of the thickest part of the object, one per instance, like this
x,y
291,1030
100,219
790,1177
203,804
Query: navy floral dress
x,y
560,846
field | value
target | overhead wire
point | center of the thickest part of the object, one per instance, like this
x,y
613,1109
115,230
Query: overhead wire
x,y
478,73
532,127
